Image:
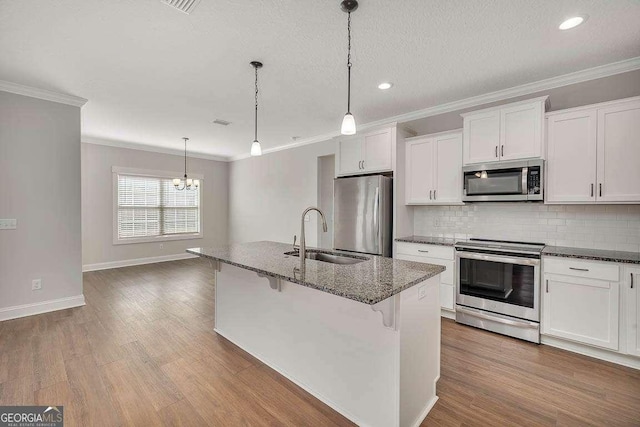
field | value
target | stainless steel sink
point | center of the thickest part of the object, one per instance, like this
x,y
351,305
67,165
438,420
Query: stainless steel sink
x,y
330,258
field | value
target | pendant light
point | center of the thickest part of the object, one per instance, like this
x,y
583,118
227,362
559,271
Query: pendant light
x,y
188,183
348,123
256,150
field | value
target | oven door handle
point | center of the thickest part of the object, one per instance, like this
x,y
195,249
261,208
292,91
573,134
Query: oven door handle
x,y
498,258
516,323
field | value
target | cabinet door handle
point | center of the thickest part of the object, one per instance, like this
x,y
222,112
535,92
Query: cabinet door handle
x,y
430,194
631,274
496,151
591,190
426,252
434,195
578,269
502,150
600,189
547,286
363,164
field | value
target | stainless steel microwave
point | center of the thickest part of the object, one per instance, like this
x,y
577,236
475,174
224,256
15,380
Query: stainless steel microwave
x,y
504,181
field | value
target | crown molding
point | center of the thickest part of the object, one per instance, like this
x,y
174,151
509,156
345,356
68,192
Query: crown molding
x,y
47,95
500,95
149,148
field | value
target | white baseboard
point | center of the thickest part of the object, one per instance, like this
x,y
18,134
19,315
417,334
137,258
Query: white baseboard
x,y
137,261
40,307
587,350
425,412
449,314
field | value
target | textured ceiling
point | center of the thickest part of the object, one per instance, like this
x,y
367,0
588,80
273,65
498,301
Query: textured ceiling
x,y
153,74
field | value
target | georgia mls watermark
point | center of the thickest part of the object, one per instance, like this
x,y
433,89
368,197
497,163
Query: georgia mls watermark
x,y
31,416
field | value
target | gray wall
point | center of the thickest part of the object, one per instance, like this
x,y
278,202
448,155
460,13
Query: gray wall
x,y
40,175
609,88
267,194
97,199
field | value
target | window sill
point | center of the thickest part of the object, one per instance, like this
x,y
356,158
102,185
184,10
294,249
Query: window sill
x,y
157,239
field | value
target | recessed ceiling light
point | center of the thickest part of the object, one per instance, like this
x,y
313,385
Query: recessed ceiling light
x,y
572,22
385,85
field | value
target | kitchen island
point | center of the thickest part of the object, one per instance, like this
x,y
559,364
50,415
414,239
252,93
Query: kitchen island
x,y
363,336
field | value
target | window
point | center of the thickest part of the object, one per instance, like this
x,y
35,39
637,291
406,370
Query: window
x,y
149,208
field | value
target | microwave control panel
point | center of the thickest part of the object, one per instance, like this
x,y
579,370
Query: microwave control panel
x,y
534,180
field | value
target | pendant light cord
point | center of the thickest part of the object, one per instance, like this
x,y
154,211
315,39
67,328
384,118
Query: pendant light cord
x,y
185,158
256,121
349,64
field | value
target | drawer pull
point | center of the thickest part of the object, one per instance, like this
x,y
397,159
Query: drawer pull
x,y
631,280
578,269
420,250
547,285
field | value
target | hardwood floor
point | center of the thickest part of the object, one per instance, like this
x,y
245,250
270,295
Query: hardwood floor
x,y
143,352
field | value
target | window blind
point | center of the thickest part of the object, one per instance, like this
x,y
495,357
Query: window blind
x,y
152,207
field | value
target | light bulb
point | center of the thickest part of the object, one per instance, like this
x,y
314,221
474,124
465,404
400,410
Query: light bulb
x,y
572,23
256,150
176,182
196,183
348,125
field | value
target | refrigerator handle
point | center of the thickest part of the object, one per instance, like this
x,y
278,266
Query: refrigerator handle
x,y
376,208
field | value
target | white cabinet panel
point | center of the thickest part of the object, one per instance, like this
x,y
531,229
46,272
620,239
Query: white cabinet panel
x,y
369,152
349,156
377,148
619,153
571,157
481,137
632,299
447,296
581,309
434,169
521,131
448,168
420,175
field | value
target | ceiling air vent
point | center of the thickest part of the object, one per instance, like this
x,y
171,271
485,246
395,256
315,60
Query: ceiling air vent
x,y
185,6
221,122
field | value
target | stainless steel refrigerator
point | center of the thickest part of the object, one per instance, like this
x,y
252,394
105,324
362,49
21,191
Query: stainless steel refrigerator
x,y
363,214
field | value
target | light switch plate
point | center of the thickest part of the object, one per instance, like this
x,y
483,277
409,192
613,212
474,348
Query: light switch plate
x,y
8,224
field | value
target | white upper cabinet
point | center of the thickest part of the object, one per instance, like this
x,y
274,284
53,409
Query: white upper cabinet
x,y
521,131
419,174
619,152
364,153
434,169
632,299
378,149
350,156
593,152
481,137
571,157
508,132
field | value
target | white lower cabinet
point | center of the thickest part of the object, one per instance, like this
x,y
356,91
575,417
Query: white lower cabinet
x,y
631,295
581,301
433,254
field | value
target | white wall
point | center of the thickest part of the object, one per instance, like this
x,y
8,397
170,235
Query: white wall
x,y
97,199
614,227
40,175
267,194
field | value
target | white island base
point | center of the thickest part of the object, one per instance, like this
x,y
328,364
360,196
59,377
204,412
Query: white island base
x,y
337,349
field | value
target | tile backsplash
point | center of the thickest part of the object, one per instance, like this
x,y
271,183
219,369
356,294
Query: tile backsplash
x,y
614,227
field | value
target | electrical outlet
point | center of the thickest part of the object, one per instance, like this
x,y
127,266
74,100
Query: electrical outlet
x,y
422,292
36,284
8,224
161,245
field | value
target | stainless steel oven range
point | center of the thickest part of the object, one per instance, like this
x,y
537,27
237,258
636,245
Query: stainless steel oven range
x,y
498,287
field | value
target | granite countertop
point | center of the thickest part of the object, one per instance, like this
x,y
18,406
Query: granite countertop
x,y
442,241
593,254
369,282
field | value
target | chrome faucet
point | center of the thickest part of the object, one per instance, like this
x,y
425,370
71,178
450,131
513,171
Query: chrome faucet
x,y
303,245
